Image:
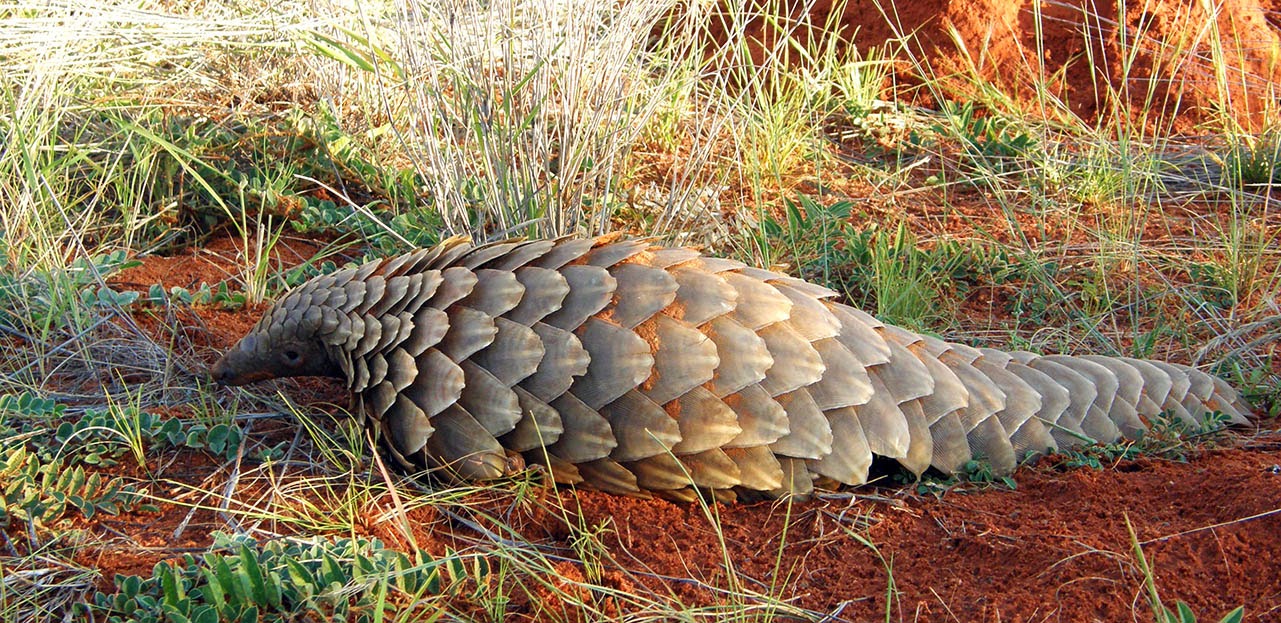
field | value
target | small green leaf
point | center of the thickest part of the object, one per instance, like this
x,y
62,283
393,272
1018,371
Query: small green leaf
x,y
1185,613
253,572
204,614
330,572
169,583
217,438
228,581
275,599
129,585
433,580
300,575
339,52
64,432
1234,616
213,591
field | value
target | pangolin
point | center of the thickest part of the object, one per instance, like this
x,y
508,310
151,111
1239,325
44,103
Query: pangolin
x,y
643,370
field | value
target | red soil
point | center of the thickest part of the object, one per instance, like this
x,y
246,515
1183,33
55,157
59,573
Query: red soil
x,y
1055,549
1079,50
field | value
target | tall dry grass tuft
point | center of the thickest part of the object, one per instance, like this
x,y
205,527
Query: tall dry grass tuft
x,y
524,114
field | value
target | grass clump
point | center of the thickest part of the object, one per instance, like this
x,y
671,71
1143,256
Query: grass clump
x,y
888,270
1253,163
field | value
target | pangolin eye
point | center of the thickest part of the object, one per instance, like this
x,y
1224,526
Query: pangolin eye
x,y
292,357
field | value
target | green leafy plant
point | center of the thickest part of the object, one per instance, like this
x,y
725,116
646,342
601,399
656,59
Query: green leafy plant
x,y
994,142
983,144
98,435
807,236
1212,284
976,471
910,284
38,301
39,489
242,580
49,471
1167,437
221,296
27,404
980,471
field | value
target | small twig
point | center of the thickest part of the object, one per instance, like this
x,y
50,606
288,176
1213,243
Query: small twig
x,y
835,615
1212,526
4,328
265,415
8,543
944,604
401,516
61,347
230,489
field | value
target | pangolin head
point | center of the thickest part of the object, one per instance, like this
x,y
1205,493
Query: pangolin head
x,y
287,341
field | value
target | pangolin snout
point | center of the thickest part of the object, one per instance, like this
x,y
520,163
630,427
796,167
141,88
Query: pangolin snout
x,y
224,372
221,372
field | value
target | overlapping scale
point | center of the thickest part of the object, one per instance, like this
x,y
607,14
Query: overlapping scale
x,y
638,370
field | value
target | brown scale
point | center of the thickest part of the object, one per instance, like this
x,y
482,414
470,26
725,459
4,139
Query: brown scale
x,y
644,370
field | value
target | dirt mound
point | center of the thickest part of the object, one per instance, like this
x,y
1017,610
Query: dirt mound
x,y
1155,62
